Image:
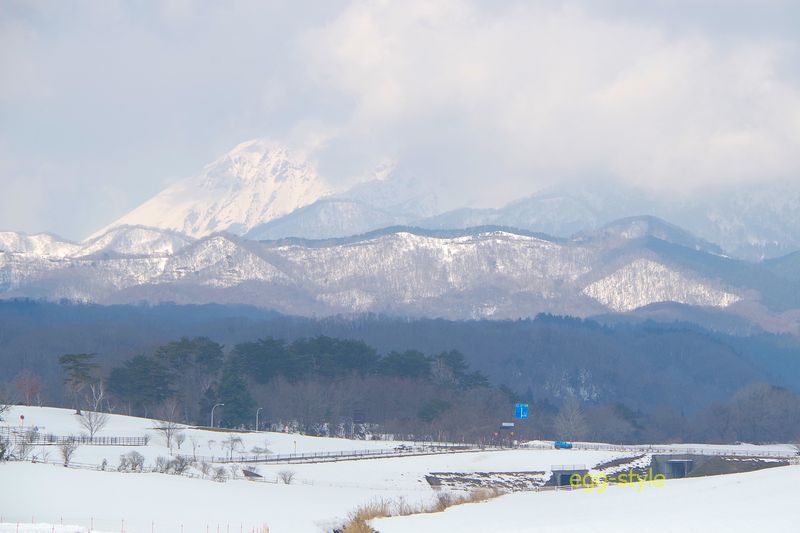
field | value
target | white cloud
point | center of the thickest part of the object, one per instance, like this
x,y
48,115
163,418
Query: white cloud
x,y
552,91
103,98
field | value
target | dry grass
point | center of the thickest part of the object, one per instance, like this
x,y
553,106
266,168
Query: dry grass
x,y
448,499
358,520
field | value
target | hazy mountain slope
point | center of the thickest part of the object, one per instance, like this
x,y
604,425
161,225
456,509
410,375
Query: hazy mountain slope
x,y
486,272
751,222
255,182
326,218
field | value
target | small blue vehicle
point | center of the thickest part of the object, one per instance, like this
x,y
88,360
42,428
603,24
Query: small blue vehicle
x,y
562,445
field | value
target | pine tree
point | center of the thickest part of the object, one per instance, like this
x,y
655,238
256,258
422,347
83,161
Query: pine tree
x,y
233,392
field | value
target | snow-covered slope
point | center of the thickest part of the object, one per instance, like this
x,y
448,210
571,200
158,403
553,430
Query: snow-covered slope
x,y
42,244
135,240
489,272
644,282
255,182
762,501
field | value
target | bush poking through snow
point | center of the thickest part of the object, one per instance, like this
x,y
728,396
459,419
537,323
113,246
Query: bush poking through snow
x,y
286,476
220,474
162,465
131,462
180,465
205,469
67,450
3,449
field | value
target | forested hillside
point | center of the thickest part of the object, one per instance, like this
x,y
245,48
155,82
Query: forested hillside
x,y
421,377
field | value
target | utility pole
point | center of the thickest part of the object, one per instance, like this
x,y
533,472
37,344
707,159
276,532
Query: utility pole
x,y
257,411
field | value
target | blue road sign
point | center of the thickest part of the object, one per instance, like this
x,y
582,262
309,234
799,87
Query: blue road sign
x,y
521,411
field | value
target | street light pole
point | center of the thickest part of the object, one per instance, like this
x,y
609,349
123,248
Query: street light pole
x,y
257,411
212,412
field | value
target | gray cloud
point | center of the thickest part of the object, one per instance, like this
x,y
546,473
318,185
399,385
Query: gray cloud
x,y
103,103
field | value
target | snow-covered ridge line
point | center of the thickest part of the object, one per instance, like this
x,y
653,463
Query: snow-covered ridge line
x,y
483,272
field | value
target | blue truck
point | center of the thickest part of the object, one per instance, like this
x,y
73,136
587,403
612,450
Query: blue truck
x,y
562,445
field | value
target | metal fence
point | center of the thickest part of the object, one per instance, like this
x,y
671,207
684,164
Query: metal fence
x,y
39,439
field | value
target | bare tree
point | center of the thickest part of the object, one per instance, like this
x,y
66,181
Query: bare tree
x,y
180,438
5,405
23,450
232,443
169,430
167,425
287,476
93,422
29,386
570,422
68,449
195,443
98,394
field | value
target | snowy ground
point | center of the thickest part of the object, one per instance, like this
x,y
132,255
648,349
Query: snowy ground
x,y
319,498
766,500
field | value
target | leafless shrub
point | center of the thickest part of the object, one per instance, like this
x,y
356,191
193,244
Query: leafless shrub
x,y
286,476
220,474
180,438
131,462
180,465
205,469
68,449
261,450
162,465
22,450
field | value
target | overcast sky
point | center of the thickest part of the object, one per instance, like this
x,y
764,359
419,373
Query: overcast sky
x,y
104,103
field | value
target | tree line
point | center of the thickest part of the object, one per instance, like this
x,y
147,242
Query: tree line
x,y
328,386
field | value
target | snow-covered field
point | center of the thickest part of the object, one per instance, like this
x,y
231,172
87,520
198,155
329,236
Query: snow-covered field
x,y
322,494
766,500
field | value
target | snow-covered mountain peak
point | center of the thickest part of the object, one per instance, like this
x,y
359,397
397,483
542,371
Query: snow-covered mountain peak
x,y
637,227
136,240
40,244
255,182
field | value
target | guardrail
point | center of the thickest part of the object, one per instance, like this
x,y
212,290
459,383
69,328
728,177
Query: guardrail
x,y
670,450
348,455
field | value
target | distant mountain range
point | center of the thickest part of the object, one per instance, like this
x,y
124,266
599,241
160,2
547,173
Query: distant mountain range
x,y
260,226
463,274
263,191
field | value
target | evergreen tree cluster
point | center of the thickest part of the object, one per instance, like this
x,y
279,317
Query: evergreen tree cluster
x,y
198,373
